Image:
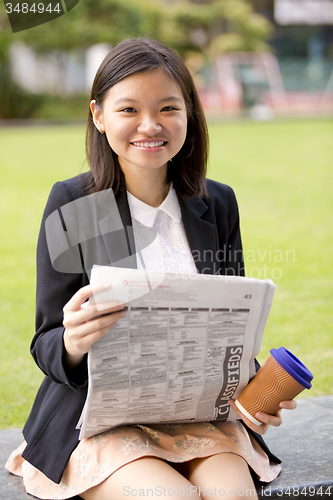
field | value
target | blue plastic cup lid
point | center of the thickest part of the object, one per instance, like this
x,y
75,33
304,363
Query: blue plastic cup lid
x,y
293,366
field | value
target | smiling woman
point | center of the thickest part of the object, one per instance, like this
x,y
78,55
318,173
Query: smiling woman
x,y
144,112
145,84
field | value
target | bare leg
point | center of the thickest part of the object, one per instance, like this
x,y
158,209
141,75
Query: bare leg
x,y
152,476
222,475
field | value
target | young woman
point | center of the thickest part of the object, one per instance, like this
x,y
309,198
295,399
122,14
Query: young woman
x,y
147,141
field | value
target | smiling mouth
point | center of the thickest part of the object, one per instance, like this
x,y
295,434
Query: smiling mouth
x,y
155,144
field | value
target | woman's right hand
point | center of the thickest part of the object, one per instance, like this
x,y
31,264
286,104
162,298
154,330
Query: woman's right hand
x,y
84,324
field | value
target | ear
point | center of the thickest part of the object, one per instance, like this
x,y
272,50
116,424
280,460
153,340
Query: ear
x,y
97,115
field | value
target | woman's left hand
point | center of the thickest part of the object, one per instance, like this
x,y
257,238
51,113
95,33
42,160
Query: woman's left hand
x,y
266,420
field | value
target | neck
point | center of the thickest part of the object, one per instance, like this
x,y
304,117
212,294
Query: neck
x,y
149,186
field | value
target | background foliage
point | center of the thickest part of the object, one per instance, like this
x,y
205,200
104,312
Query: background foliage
x,y
205,28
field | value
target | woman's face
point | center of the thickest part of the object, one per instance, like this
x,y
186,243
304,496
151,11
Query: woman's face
x,y
144,119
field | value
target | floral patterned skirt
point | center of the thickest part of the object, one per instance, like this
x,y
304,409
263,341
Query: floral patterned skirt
x,y
98,457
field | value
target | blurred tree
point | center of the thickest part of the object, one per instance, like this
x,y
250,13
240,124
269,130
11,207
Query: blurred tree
x,y
217,26
198,29
203,29
207,26
95,21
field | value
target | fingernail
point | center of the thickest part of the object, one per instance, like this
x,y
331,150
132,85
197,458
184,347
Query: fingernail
x,y
106,285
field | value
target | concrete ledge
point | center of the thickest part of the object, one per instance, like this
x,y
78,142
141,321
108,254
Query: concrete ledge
x,y
11,487
304,443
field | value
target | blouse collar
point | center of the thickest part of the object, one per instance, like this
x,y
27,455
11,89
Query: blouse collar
x,y
146,215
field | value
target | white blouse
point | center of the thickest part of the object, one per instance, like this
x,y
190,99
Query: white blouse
x,y
170,251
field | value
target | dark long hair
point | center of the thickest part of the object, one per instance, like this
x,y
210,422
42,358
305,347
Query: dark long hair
x,y
187,170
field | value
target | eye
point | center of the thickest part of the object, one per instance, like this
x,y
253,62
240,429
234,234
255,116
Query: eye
x,y
168,108
129,110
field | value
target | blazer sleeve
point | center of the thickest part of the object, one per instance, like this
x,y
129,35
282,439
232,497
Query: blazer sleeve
x,y
54,290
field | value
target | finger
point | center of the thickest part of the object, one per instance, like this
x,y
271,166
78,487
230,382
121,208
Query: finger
x,y
274,420
102,330
101,306
85,335
235,408
88,313
259,429
241,415
83,294
288,405
97,324
104,308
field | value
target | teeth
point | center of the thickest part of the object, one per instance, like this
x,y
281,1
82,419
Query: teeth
x,y
148,144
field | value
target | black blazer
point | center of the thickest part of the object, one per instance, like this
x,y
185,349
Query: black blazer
x,y
212,228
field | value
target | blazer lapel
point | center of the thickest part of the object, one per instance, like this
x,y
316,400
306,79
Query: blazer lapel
x,y
201,234
117,232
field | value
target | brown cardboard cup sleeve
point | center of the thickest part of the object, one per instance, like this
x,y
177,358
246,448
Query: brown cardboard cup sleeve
x,y
281,378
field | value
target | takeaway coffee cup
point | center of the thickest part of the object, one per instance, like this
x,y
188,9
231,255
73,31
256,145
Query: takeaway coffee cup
x,y
280,378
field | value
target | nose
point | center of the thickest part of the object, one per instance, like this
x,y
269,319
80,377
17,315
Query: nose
x,y
149,125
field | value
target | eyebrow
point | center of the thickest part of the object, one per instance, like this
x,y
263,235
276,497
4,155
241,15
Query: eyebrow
x,y
165,99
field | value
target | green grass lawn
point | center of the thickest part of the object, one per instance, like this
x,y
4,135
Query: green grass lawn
x,y
283,178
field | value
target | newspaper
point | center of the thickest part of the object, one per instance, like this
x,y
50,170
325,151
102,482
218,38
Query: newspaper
x,y
185,347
